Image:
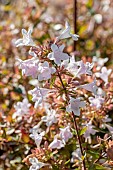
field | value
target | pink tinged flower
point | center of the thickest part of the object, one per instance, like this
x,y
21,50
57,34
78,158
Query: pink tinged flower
x,y
71,65
37,137
99,61
35,164
84,68
66,33
75,105
104,74
26,40
65,134
57,55
92,87
76,155
96,101
39,94
29,67
45,71
56,144
50,118
90,130
21,108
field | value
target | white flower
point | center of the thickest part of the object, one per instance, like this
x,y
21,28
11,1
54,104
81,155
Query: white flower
x,y
50,118
56,144
29,67
90,131
100,61
71,65
45,71
37,137
104,74
92,87
21,108
65,134
66,33
98,18
39,94
84,68
26,40
57,55
35,164
96,101
76,155
75,105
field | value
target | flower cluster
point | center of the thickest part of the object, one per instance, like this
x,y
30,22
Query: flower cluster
x,y
61,82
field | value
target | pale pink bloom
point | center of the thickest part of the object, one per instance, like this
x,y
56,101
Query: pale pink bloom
x,y
57,55
106,119
100,61
26,40
56,144
71,65
45,71
76,155
92,87
65,134
50,118
37,137
96,101
21,108
39,94
35,164
66,33
29,67
75,105
85,68
104,74
90,130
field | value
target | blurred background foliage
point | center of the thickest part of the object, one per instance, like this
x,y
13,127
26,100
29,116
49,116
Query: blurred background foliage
x,y
47,18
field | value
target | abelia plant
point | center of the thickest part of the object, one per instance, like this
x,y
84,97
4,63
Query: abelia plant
x,y
68,93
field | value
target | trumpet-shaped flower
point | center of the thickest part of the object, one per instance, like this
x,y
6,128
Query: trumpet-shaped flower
x,y
100,61
57,55
65,134
90,131
39,94
96,101
104,74
71,65
37,137
84,68
92,87
45,71
29,67
26,40
75,105
21,108
76,155
50,118
35,164
56,144
66,34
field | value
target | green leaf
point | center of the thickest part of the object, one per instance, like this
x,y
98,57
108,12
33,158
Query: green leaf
x,y
82,131
100,167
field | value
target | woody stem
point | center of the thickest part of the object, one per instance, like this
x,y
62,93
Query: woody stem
x,y
74,119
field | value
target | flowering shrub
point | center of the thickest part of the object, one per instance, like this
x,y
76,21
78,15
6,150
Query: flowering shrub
x,y
71,100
